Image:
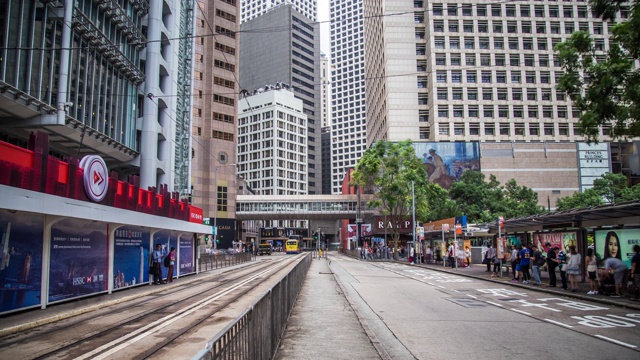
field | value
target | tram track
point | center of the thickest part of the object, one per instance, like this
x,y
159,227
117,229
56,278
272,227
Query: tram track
x,y
204,302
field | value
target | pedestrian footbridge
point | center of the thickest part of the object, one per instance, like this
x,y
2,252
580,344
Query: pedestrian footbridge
x,y
301,207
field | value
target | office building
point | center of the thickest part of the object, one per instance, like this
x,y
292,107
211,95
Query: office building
x,y
472,71
291,57
348,104
254,8
215,110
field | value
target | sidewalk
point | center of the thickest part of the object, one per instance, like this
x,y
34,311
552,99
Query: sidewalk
x,y
478,271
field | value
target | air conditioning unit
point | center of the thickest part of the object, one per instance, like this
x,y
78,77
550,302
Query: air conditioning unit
x,y
468,233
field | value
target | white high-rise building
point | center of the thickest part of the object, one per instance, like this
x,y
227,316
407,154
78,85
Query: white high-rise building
x,y
348,116
253,8
462,70
272,142
325,90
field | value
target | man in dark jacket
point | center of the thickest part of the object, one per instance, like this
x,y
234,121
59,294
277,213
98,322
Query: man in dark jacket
x,y
552,263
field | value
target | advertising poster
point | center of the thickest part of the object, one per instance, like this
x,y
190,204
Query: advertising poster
x,y
513,240
560,239
445,161
168,240
617,243
21,263
79,259
130,256
185,264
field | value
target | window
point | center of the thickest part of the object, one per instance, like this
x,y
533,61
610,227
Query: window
x,y
532,94
487,111
548,129
562,112
530,77
483,43
514,60
452,9
471,76
516,94
423,99
555,28
456,93
515,77
532,111
421,49
497,26
513,44
498,43
554,12
528,60
527,44
443,111
486,77
543,60
443,129
512,27
424,133
453,26
423,116
510,10
422,82
441,76
547,112
544,77
438,26
483,27
470,59
542,44
518,129
502,94
546,94
487,94
437,9
458,129
439,43
560,96
467,26
569,28
421,65
489,129
534,129
563,129
474,129
442,94
505,129
458,111
567,11
496,10
500,59
526,27
541,28
472,94
441,59
481,10
469,43
456,76
525,10
454,43
485,60
503,111
518,112
501,77
539,11
455,59
467,10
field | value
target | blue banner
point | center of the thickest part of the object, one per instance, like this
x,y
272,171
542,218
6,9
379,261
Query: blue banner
x,y
79,259
130,256
21,237
185,261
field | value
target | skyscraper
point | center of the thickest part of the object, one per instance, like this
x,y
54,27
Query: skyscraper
x,y
215,108
254,8
291,57
348,116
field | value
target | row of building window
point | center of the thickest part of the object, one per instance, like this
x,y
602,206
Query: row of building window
x,y
508,129
514,43
510,10
487,77
513,60
489,94
517,27
505,111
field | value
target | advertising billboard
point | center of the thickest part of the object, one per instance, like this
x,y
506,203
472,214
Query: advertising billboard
x,y
168,240
186,263
616,243
560,239
79,259
446,161
21,263
130,256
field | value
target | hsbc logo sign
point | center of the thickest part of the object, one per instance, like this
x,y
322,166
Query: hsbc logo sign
x,y
96,179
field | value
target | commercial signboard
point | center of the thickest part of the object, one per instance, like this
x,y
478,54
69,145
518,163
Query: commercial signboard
x,y
594,160
616,243
560,239
446,161
130,256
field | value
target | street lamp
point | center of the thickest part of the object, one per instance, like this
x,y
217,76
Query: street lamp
x,y
215,208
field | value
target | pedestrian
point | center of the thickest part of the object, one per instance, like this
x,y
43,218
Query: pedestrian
x,y
412,255
592,271
156,264
452,256
525,257
552,263
172,263
429,255
617,268
635,272
562,264
489,257
573,267
514,261
467,255
538,261
438,254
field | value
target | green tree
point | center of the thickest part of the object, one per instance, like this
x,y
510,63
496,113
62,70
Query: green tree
x,y
588,198
607,92
439,205
520,201
632,193
387,170
611,186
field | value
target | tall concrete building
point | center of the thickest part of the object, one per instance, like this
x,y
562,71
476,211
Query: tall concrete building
x,y
120,100
471,71
291,57
215,109
348,104
255,8
325,90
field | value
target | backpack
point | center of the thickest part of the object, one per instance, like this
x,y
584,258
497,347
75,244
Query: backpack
x,y
541,261
167,261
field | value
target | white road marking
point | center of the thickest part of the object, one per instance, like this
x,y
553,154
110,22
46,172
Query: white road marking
x,y
472,296
496,304
558,323
441,287
616,341
431,284
520,311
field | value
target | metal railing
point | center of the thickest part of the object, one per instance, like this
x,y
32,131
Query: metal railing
x,y
257,332
384,255
208,262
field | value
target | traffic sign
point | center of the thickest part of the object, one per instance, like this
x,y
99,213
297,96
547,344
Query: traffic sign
x,y
214,230
206,221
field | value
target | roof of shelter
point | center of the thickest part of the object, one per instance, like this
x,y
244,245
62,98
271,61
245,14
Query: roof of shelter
x,y
626,213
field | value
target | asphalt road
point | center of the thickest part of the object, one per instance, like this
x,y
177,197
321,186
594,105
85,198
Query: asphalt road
x,y
426,314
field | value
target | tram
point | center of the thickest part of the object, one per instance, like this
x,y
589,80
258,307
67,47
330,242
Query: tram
x,y
293,244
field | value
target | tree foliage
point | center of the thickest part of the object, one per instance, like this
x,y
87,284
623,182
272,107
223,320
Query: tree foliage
x,y
387,170
607,92
610,188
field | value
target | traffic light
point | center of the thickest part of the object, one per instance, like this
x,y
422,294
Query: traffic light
x,y
315,236
206,239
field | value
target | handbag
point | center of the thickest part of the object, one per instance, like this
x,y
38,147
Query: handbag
x,y
485,261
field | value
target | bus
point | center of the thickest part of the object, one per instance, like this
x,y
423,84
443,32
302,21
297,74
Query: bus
x,y
293,244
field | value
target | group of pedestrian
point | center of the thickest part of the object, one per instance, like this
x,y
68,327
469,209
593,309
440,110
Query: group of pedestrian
x,y
160,258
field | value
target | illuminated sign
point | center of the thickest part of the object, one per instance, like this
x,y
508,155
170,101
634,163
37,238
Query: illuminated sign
x,y
96,179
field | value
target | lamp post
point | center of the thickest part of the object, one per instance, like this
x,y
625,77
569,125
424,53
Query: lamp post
x,y
215,208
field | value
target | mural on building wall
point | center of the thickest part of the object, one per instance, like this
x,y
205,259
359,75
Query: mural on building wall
x,y
130,256
79,258
446,161
21,263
